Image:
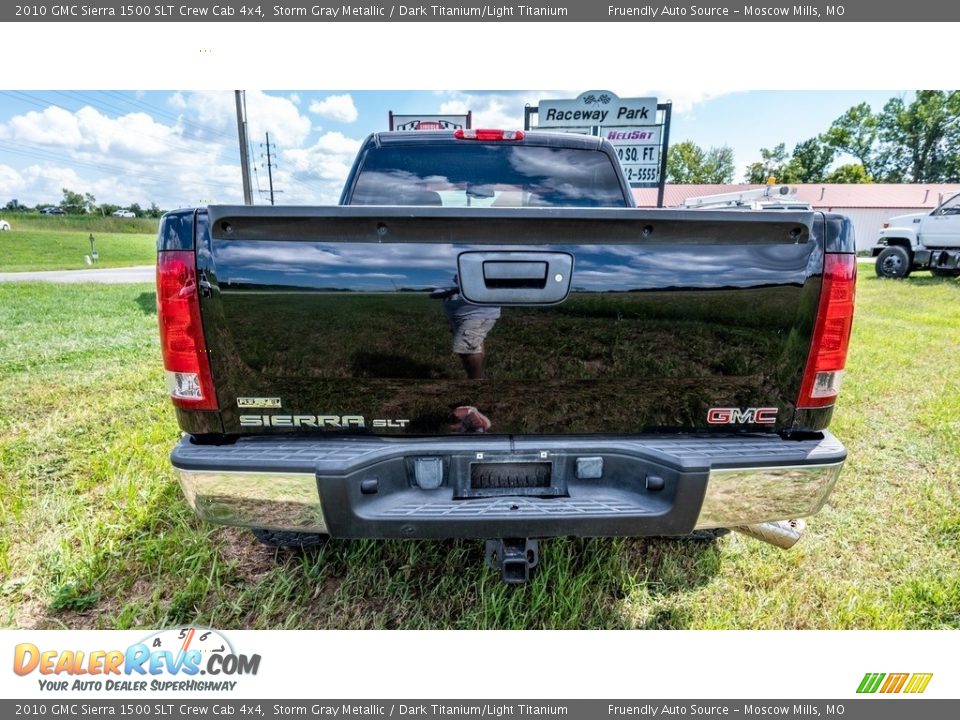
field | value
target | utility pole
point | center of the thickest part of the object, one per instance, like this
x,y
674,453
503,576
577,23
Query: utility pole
x,y
269,169
244,153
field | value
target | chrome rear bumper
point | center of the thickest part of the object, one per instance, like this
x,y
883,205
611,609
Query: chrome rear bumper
x,y
746,496
316,485
276,501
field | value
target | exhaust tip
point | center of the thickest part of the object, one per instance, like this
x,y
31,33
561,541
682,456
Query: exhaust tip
x,y
783,534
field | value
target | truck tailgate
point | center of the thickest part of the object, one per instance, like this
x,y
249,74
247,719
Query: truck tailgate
x,y
597,321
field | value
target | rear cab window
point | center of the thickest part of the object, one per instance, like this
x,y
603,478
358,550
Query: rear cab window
x,y
479,174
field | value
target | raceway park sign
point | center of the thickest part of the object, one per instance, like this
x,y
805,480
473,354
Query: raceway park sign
x,y
632,125
596,107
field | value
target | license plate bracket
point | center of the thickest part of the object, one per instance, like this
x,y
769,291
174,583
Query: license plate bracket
x,y
497,477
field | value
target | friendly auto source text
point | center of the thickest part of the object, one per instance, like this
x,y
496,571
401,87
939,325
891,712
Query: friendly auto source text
x,y
654,11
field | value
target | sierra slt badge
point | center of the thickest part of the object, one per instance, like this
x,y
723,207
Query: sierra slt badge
x,y
313,421
742,416
340,422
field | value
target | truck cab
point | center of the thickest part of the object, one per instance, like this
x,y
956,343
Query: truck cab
x,y
921,241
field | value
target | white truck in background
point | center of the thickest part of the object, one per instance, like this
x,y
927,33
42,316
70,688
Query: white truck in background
x,y
922,241
769,197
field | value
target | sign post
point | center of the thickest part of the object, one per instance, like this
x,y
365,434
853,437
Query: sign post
x,y
639,129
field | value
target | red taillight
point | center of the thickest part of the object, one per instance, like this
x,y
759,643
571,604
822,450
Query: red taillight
x,y
831,334
487,134
181,332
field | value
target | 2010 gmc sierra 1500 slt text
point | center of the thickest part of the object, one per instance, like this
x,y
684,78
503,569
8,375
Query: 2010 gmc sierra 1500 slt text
x,y
486,339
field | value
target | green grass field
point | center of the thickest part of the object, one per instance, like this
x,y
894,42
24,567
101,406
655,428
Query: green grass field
x,y
94,531
22,250
82,223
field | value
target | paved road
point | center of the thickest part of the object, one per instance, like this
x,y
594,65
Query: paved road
x,y
137,274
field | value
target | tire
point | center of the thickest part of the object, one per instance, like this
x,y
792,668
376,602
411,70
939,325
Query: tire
x,y
937,272
894,262
283,538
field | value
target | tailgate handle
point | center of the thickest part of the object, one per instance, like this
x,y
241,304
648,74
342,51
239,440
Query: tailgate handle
x,y
514,278
514,273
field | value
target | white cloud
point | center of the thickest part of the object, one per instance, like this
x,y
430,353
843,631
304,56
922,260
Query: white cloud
x,y
337,143
489,111
192,160
322,167
686,100
336,107
265,113
51,126
88,130
36,183
120,159
11,181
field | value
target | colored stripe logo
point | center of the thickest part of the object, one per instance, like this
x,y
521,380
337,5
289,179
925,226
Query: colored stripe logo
x,y
894,683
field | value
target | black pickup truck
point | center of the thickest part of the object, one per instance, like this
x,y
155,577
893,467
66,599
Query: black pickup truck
x,y
487,339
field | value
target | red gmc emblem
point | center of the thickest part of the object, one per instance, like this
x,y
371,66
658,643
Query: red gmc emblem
x,y
742,416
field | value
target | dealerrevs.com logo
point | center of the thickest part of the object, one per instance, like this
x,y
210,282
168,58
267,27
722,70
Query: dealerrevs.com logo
x,y
181,659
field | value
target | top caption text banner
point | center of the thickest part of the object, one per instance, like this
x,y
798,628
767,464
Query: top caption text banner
x,y
572,11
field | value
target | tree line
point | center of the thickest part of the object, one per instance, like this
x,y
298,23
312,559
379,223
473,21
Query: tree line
x,y
913,142
75,203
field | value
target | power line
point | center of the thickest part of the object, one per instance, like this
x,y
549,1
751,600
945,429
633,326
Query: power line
x,y
270,166
309,186
166,142
157,110
100,105
256,180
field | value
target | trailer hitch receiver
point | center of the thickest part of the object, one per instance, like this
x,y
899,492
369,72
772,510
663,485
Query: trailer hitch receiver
x,y
515,558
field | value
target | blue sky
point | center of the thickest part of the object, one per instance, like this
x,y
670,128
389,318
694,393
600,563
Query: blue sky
x,y
179,148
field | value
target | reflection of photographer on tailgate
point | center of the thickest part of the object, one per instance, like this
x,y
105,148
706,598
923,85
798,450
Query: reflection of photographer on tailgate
x,y
470,325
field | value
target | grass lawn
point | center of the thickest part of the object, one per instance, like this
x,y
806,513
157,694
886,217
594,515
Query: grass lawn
x,y
82,223
94,532
22,250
